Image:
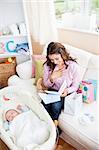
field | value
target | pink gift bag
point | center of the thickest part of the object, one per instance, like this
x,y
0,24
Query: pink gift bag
x,y
87,90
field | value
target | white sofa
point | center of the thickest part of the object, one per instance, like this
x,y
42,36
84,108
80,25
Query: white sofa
x,y
81,136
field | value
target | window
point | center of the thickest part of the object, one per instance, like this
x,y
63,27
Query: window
x,y
81,14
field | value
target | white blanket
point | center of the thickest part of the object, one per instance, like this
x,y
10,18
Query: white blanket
x,y
27,130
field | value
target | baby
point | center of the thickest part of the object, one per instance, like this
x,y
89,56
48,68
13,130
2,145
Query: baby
x,y
12,113
25,128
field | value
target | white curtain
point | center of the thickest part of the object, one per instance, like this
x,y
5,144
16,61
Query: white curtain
x,y
42,21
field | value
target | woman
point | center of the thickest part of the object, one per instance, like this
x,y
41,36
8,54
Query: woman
x,y
59,67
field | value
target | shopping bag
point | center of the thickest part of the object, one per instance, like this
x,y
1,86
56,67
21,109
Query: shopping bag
x,y
87,90
95,84
73,103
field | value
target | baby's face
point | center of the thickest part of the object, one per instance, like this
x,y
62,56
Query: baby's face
x,y
11,114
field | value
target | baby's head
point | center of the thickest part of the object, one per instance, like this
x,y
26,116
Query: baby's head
x,y
11,114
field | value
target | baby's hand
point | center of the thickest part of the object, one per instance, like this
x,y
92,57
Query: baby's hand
x,y
19,107
23,108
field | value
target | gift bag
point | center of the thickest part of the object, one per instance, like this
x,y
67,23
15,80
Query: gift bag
x,y
73,104
87,90
95,84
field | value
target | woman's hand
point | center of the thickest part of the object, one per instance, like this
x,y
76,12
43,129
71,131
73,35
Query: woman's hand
x,y
56,74
40,85
64,93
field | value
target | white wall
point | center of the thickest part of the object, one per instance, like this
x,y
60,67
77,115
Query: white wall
x,y
11,11
84,40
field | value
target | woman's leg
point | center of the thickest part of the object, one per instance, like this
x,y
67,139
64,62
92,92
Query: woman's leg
x,y
48,108
56,109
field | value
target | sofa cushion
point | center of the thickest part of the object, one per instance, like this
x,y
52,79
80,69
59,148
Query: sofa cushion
x,y
81,55
86,134
92,71
24,70
82,58
38,65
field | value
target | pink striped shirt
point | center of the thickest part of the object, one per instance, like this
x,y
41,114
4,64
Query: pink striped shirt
x,y
71,75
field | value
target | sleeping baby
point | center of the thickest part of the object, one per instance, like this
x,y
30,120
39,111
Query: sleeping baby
x,y
25,128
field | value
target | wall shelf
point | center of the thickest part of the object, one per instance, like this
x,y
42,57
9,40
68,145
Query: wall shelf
x,y
12,36
9,42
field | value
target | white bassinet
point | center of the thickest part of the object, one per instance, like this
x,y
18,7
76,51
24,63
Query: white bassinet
x,y
21,96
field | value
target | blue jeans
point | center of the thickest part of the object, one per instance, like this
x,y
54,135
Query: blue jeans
x,y
54,109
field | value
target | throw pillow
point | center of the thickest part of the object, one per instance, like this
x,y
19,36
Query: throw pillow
x,y
38,69
38,65
24,70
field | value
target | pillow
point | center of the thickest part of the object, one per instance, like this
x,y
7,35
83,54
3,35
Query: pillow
x,y
82,57
38,67
24,70
38,57
15,80
33,70
93,68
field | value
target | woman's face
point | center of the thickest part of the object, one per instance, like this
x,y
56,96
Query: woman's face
x,y
56,59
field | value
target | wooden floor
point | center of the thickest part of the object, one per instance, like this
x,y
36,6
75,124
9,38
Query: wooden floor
x,y
60,146
3,146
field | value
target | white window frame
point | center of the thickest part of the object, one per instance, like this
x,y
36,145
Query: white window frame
x,y
84,9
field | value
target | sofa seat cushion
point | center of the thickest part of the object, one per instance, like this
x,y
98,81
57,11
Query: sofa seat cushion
x,y
86,133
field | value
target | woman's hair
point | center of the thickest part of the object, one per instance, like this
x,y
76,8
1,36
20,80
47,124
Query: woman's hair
x,y
57,48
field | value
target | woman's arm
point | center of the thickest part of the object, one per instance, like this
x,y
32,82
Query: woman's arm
x,y
40,84
75,71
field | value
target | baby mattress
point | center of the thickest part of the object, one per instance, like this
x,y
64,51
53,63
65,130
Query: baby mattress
x,y
18,94
81,130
